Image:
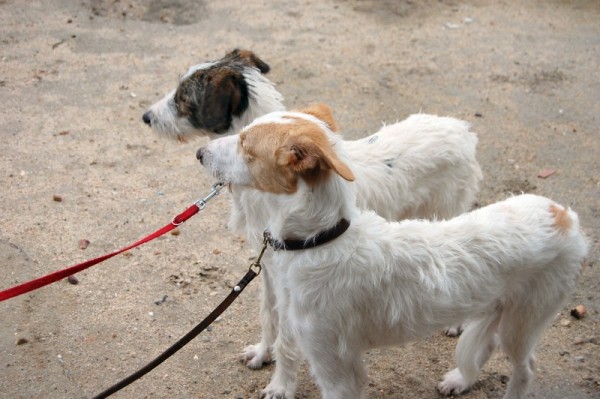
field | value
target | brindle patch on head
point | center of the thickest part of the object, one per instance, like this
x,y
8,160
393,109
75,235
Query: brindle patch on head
x,y
562,221
209,98
278,154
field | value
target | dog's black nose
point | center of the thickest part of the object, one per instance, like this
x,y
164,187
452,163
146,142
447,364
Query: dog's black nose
x,y
147,118
200,154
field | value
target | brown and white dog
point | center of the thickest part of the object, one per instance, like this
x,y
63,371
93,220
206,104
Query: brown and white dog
x,y
216,98
506,268
422,167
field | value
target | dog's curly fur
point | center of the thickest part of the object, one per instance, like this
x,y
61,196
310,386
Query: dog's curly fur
x,y
506,268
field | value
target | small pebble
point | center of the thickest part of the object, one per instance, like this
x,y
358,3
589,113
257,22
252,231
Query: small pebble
x,y
565,322
578,312
175,232
162,300
73,280
83,244
56,198
22,341
216,251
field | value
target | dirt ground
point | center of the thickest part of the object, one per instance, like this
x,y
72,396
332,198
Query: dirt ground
x,y
77,163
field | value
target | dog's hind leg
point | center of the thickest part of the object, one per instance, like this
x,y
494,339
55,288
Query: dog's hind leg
x,y
338,378
474,348
255,356
519,331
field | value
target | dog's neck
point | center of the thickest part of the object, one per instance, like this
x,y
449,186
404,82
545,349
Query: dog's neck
x,y
311,210
263,98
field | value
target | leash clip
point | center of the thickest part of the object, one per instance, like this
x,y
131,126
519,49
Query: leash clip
x,y
214,191
201,203
256,264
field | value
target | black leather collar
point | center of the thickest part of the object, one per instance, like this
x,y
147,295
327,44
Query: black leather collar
x,y
311,242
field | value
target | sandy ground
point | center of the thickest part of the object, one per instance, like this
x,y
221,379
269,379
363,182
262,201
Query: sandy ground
x,y
75,78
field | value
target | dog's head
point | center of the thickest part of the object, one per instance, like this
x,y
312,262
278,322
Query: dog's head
x,y
209,96
277,150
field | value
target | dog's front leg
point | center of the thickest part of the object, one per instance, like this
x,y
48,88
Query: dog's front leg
x,y
255,356
284,380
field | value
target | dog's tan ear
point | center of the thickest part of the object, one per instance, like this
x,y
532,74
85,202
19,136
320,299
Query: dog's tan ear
x,y
324,113
305,153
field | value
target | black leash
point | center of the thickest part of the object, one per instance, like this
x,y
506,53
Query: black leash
x,y
237,290
320,239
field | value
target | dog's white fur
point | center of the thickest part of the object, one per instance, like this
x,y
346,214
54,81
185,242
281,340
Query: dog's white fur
x,y
422,167
506,268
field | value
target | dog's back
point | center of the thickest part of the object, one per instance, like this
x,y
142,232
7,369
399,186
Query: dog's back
x,y
506,268
526,251
422,167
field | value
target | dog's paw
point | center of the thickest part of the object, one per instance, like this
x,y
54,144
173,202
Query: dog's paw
x,y
454,331
453,384
255,356
275,391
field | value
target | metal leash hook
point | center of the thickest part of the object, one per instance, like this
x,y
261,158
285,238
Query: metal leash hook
x,y
214,191
201,203
256,264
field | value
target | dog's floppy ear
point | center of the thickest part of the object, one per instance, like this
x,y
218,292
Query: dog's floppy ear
x,y
227,97
324,113
305,153
251,59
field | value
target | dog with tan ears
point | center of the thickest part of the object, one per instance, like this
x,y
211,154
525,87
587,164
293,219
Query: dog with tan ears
x,y
347,280
422,167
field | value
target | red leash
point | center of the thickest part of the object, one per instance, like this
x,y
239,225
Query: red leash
x,y
60,274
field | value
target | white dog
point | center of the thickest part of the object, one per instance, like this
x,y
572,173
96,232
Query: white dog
x,y
356,281
422,167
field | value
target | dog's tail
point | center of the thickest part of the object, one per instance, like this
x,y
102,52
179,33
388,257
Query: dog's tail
x,y
565,220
